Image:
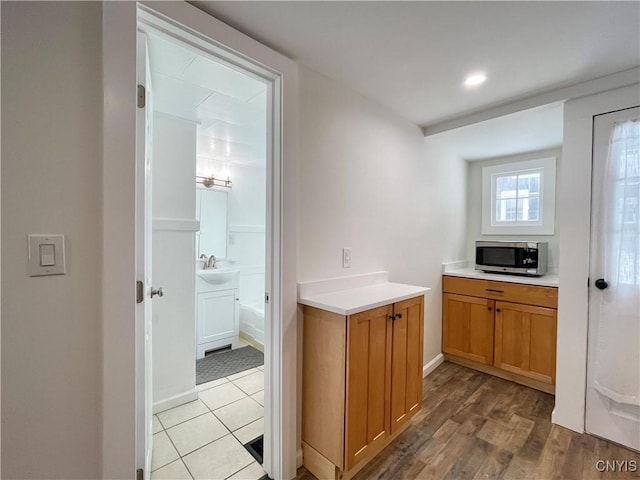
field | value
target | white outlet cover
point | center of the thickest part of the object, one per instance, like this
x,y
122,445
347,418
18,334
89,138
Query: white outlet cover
x,y
38,266
346,257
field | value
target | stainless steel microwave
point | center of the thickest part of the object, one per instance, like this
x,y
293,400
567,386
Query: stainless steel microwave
x,y
522,258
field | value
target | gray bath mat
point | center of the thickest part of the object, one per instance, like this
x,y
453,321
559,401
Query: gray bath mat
x,y
223,364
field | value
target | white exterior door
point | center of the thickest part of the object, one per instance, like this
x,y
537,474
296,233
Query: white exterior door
x,y
613,375
143,261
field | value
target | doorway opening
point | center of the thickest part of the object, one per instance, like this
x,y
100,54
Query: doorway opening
x,y
211,137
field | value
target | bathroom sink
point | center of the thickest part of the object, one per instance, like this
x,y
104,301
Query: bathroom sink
x,y
217,276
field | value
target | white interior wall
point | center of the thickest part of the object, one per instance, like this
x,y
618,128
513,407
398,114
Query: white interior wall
x,y
369,179
247,240
474,205
573,202
173,260
51,183
173,167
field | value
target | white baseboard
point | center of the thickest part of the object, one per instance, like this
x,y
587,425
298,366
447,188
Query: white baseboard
x,y
298,458
252,340
176,400
432,365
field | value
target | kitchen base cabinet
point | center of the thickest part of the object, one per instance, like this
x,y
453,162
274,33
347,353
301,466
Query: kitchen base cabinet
x,y
467,327
526,341
501,328
362,383
368,382
406,361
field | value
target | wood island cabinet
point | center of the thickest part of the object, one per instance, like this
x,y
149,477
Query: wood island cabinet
x,y
362,383
505,329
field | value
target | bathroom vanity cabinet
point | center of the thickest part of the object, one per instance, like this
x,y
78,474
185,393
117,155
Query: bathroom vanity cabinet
x,y
217,311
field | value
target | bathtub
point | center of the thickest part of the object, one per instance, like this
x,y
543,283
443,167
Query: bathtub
x,y
252,321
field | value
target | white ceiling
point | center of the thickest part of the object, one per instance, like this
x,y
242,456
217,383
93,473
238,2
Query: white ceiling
x,y
413,56
229,106
527,131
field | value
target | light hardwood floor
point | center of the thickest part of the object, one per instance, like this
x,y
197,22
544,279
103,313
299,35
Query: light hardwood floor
x,y
476,426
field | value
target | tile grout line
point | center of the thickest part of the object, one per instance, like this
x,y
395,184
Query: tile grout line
x,y
186,467
225,425
202,446
233,433
174,447
248,465
230,432
244,425
185,421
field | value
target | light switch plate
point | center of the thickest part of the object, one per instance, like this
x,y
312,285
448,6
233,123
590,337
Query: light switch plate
x,y
46,255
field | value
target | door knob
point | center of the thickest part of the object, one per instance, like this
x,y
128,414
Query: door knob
x,y
159,292
398,315
601,284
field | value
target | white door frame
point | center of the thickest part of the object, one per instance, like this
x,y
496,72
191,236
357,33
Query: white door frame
x,y
119,387
573,213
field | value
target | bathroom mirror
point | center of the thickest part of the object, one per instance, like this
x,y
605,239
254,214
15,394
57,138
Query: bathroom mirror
x,y
211,206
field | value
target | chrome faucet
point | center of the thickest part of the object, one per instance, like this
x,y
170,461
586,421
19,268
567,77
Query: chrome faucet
x,y
211,263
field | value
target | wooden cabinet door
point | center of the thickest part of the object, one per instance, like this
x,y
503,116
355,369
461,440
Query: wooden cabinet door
x,y
526,340
406,361
368,380
467,327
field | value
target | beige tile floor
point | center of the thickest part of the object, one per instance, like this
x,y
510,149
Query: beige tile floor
x,y
202,440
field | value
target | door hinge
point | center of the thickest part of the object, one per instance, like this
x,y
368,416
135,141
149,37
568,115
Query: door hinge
x,y
266,298
142,96
139,474
139,291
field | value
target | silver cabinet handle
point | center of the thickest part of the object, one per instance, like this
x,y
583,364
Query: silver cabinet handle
x,y
159,292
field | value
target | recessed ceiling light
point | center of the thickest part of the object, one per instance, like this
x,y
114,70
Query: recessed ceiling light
x,y
475,79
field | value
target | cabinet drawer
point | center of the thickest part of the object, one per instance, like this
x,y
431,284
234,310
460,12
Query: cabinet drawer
x,y
505,291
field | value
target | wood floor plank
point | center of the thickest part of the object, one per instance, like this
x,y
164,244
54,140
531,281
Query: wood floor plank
x,y
458,444
574,462
394,462
482,401
552,458
494,465
511,435
475,426
466,467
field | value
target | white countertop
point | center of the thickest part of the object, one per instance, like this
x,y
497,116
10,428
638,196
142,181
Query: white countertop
x,y
549,280
359,299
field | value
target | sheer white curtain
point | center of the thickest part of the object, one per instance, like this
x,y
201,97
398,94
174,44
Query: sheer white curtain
x,y
617,371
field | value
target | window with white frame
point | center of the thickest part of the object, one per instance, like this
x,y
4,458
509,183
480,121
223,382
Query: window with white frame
x,y
519,198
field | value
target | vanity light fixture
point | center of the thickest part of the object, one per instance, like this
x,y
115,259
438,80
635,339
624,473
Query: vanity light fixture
x,y
475,79
212,181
